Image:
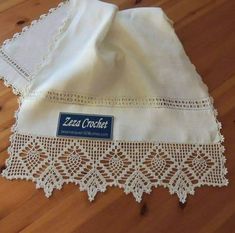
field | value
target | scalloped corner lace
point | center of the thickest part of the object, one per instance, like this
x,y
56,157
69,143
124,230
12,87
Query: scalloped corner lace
x,y
94,165
18,67
41,17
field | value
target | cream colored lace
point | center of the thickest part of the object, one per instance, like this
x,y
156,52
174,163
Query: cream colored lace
x,y
94,165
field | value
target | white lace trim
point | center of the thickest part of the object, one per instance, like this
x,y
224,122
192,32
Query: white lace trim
x,y
218,123
56,96
94,165
9,84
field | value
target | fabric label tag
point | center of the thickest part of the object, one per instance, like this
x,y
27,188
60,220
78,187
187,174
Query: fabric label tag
x,y
85,126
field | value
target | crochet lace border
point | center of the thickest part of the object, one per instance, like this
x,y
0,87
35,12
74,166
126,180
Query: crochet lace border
x,y
94,165
135,166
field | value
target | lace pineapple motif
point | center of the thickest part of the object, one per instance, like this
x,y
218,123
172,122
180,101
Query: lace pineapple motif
x,y
136,167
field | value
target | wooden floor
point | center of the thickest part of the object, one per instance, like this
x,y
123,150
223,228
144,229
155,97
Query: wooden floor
x,y
207,31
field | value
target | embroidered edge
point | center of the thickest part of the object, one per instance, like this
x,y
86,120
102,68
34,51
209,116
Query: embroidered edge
x,y
6,81
56,96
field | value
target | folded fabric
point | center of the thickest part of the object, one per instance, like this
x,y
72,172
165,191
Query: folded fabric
x,y
108,97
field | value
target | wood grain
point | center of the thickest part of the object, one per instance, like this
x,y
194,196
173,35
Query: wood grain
x,y
207,30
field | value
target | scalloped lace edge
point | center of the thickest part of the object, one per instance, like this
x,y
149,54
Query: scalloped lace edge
x,y
33,22
9,84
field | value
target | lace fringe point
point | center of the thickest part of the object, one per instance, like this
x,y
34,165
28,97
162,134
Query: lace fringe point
x,y
136,167
180,192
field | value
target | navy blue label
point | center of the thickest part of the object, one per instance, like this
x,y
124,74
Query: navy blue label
x,y
85,126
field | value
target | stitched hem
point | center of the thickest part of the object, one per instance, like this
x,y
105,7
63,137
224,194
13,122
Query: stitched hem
x,y
55,96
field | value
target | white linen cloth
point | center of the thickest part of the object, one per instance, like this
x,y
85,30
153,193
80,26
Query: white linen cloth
x,y
89,57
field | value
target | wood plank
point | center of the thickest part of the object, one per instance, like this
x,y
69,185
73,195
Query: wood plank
x,y
4,5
